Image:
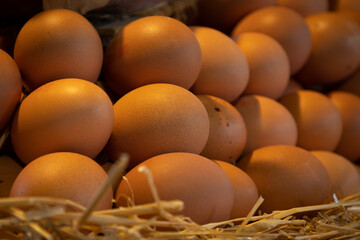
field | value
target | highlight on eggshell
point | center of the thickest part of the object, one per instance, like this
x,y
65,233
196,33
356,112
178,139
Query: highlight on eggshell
x,y
56,44
70,114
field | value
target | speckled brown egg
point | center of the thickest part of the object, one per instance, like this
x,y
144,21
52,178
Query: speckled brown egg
x,y
10,88
348,105
344,177
224,70
351,14
57,44
9,170
284,25
71,115
268,63
204,188
287,177
245,190
306,7
335,52
155,119
267,122
227,134
153,49
64,175
317,118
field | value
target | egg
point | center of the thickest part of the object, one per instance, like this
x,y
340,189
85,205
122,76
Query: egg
x,y
292,87
306,7
293,34
57,44
287,177
348,105
344,177
155,119
267,122
317,118
10,88
335,53
9,170
227,134
204,188
245,190
224,14
64,175
352,84
268,62
71,115
152,49
224,70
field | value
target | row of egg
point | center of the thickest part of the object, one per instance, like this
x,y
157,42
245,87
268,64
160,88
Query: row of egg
x,y
75,115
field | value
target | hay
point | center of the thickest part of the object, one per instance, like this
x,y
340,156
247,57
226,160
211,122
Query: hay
x,y
52,218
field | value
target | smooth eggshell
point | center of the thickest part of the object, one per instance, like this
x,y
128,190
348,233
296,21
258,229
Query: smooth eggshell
x,y
317,118
287,177
9,170
284,25
227,135
348,105
152,49
268,62
200,183
57,44
245,190
347,4
155,119
267,122
344,177
224,70
63,175
69,115
353,15
306,7
10,88
335,52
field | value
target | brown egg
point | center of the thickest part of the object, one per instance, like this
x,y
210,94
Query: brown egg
x,y
292,87
200,183
71,115
317,118
9,170
268,62
306,7
267,122
224,70
153,49
344,177
284,25
10,88
227,135
351,14
155,119
63,175
287,177
348,105
352,84
347,4
245,190
57,44
224,14
335,53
